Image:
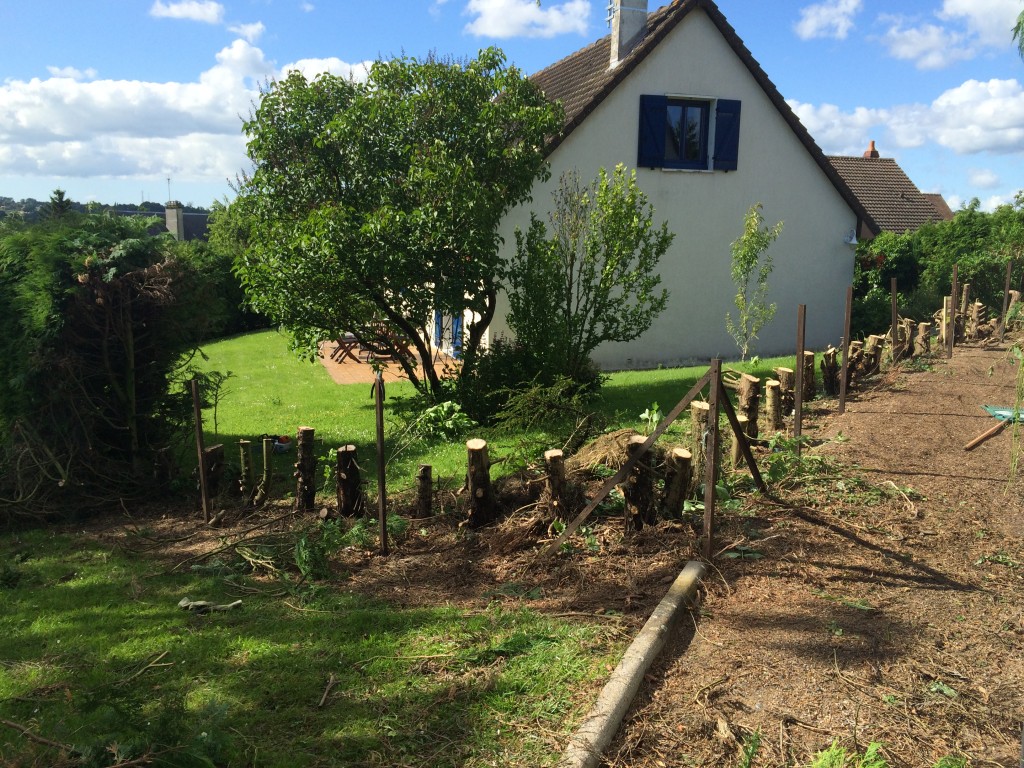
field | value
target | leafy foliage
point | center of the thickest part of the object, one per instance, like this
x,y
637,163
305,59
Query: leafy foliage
x,y
96,321
751,262
371,205
594,280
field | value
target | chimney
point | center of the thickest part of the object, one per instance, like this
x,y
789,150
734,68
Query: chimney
x,y
629,24
174,213
872,152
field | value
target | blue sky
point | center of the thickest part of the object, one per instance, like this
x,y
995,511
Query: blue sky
x,y
110,98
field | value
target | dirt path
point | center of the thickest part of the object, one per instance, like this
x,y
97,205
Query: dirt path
x,y
886,605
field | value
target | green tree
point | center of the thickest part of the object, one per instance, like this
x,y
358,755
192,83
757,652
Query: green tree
x,y
371,205
1018,34
59,205
594,280
751,267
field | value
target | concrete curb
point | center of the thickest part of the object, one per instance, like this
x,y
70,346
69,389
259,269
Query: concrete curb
x,y
602,722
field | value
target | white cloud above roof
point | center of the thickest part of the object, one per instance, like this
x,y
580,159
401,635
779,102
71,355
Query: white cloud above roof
x,y
973,118
833,18
526,18
205,11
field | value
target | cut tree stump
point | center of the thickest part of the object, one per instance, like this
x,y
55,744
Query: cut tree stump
x,y
787,382
736,452
748,400
638,488
700,413
554,484
263,491
246,477
348,483
482,506
773,405
810,388
305,470
424,491
213,460
678,475
830,371
923,339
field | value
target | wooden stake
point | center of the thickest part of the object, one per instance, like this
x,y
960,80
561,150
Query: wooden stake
x,y
844,377
1006,300
424,491
894,326
204,492
382,492
482,507
678,471
951,340
711,458
798,388
554,462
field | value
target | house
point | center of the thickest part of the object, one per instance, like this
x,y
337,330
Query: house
x,y
684,65
893,201
185,225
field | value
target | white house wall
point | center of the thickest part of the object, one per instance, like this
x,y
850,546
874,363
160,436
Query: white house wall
x,y
705,210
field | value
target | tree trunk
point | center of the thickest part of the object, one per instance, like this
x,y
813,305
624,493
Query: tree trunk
x,y
214,463
678,476
787,383
773,404
810,388
348,483
305,470
830,371
748,399
923,339
638,488
482,507
554,484
246,478
424,491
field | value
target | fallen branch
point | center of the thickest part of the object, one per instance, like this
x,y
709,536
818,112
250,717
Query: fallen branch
x,y
330,684
26,732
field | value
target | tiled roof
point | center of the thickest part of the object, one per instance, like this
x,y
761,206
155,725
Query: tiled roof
x,y
940,205
582,80
888,194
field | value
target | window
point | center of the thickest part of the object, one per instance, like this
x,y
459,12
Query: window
x,y
695,134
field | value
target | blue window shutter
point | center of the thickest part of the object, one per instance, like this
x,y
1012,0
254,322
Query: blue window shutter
x,y
457,336
651,149
437,328
727,135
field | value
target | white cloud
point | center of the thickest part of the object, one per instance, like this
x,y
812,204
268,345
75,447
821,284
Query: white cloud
x,y
827,19
73,73
973,118
525,18
308,7
251,32
984,178
310,68
205,11
929,46
990,21
963,30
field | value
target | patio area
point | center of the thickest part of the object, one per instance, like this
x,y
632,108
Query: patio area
x,y
353,369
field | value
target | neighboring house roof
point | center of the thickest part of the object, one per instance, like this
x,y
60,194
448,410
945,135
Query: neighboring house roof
x,y
940,205
582,80
888,194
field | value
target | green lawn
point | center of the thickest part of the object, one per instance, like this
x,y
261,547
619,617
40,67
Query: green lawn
x,y
272,391
97,655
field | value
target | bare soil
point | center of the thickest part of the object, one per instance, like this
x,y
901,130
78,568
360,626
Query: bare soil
x,y
877,599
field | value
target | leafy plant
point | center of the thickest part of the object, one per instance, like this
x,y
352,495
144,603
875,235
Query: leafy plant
x,y
836,756
750,749
651,417
751,267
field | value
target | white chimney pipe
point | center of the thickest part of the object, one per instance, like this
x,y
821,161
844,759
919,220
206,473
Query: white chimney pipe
x,y
629,23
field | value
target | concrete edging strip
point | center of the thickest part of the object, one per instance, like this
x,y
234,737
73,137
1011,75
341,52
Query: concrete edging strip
x,y
601,724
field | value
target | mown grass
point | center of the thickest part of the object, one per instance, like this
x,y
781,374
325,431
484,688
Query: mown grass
x,y
273,391
97,654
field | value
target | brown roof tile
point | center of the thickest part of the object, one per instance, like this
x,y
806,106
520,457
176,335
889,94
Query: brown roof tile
x,y
886,192
940,205
582,80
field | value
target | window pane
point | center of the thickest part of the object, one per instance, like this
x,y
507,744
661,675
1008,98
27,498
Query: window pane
x,y
694,134
674,132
